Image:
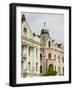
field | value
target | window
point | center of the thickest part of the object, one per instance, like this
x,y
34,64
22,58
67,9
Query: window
x,y
49,55
25,30
62,59
22,61
29,65
40,56
40,69
49,44
36,66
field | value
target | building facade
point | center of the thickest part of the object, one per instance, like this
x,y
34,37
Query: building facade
x,y
30,53
39,52
51,54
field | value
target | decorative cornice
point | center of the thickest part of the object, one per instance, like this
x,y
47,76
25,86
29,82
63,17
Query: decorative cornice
x,y
30,40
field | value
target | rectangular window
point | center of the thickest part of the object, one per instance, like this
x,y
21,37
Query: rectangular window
x,y
40,69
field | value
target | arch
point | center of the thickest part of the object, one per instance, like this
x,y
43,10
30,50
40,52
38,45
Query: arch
x,y
51,66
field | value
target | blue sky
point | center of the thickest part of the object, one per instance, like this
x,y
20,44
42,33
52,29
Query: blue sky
x,y
54,23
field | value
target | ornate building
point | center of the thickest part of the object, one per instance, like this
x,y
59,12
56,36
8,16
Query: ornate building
x,y
39,52
51,54
30,44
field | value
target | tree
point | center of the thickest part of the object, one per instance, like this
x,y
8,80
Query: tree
x,y
50,71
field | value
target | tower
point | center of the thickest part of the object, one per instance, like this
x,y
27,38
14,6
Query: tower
x,y
44,36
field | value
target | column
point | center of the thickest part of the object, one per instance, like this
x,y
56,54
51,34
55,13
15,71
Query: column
x,y
27,59
34,60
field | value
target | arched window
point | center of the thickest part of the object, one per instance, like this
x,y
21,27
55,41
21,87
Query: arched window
x,y
40,56
25,30
49,55
49,44
40,69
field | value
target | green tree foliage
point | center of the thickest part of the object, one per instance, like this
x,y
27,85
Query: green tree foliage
x,y
50,72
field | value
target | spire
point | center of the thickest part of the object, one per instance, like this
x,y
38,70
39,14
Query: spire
x,y
44,30
23,18
44,24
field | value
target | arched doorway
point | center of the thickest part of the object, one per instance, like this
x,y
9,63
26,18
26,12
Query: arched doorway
x,y
50,66
50,70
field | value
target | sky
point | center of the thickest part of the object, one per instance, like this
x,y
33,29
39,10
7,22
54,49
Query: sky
x,y
54,24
